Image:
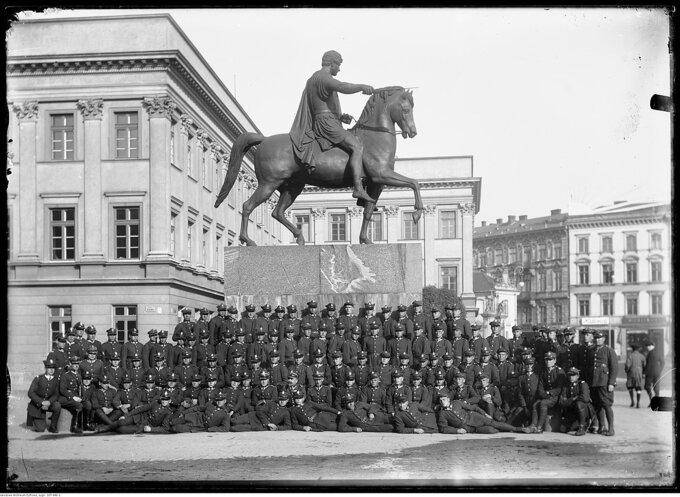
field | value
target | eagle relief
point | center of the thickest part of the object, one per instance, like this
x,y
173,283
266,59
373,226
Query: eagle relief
x,y
345,272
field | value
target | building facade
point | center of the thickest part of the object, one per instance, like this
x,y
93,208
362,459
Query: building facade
x,y
451,195
120,138
621,273
532,256
496,301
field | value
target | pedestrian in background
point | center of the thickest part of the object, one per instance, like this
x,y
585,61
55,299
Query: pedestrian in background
x,y
635,365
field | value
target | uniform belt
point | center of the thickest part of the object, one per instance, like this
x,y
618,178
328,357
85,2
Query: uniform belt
x,y
323,112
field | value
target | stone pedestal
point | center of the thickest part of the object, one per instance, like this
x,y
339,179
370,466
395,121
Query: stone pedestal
x,y
383,274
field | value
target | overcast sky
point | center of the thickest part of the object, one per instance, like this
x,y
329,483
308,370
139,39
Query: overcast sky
x,y
553,105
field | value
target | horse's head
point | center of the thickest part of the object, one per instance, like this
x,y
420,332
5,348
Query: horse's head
x,y
394,103
400,106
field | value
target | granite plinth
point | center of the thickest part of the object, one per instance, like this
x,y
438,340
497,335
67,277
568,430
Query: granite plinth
x,y
384,274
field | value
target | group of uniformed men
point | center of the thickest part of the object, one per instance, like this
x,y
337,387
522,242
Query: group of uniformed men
x,y
419,374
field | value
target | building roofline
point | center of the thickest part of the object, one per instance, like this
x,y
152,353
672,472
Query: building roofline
x,y
151,16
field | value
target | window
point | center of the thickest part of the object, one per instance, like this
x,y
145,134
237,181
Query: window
x,y
63,234
204,246
490,257
584,275
631,243
190,229
375,227
124,320
631,305
218,251
607,305
173,126
656,271
127,131
447,224
557,280
607,273
302,223
607,245
338,227
542,314
558,313
512,255
190,170
584,305
655,242
558,251
631,272
657,303
449,278
62,136
173,241
583,245
410,228
126,227
204,167
550,250
542,253
526,256
59,320
541,281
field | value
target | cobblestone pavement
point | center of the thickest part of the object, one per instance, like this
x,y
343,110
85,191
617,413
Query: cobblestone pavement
x,y
641,454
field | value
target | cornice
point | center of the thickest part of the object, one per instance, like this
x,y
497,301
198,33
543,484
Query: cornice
x,y
169,61
604,223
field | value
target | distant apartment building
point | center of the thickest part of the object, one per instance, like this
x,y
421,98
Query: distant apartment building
x,y
532,256
621,273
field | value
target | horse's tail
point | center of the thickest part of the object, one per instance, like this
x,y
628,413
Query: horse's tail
x,y
241,146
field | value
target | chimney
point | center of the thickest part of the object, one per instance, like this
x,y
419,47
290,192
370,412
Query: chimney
x,y
555,212
511,219
499,220
483,223
523,217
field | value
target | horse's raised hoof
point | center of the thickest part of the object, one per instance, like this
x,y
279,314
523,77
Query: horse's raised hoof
x,y
300,240
416,216
247,242
365,241
362,195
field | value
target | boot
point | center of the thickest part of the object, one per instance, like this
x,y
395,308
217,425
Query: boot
x,y
632,404
638,401
581,431
75,428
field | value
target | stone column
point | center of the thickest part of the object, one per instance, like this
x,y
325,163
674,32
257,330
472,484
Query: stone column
x,y
356,217
182,219
392,223
320,225
429,234
27,112
91,111
160,113
467,293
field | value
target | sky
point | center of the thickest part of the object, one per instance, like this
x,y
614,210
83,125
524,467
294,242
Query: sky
x,y
552,104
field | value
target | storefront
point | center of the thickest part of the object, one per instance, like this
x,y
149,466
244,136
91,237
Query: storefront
x,y
637,329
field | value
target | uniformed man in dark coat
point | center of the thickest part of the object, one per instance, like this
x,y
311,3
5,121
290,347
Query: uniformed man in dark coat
x,y
470,368
478,342
185,327
147,418
440,345
387,322
396,389
351,348
403,320
231,325
249,323
312,317
516,344
576,404
72,346
438,320
496,340
292,320
368,319
462,323
552,379
349,320
421,344
91,341
457,417
309,416
92,364
335,342
59,357
331,317
111,346
276,417
462,391
319,392
358,416
264,321
127,397
419,392
361,370
131,348
216,323
605,366
70,394
459,345
114,371
304,374
304,344
384,369
413,418
374,345
202,326
422,319
399,345
489,398
320,366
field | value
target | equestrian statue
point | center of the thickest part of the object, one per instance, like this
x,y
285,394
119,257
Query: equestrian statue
x,y
319,151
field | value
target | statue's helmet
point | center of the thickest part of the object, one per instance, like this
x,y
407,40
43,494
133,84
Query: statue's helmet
x,y
331,56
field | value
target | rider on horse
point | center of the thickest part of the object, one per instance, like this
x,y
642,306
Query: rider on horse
x,y
317,123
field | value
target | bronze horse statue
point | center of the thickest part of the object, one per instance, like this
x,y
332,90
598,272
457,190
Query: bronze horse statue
x,y
276,167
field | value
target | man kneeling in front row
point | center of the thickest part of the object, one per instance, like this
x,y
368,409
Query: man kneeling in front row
x,y
459,417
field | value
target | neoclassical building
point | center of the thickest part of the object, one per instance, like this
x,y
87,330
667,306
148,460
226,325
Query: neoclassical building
x,y
621,273
120,137
532,255
451,194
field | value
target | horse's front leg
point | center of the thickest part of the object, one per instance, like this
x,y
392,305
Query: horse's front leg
x,y
388,177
